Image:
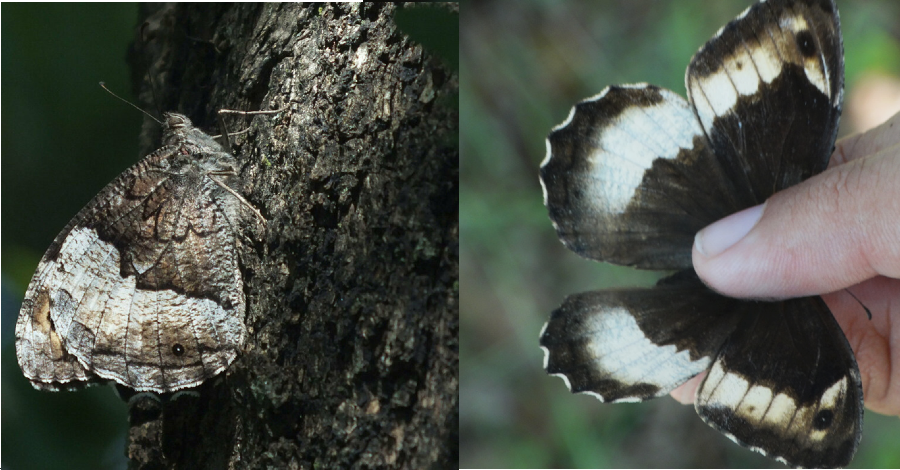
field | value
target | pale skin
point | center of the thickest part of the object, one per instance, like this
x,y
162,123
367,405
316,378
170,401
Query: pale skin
x,y
836,232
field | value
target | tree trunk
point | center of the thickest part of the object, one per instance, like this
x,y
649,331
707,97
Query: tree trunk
x,y
352,291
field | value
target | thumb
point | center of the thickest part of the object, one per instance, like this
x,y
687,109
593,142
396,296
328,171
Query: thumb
x,y
827,233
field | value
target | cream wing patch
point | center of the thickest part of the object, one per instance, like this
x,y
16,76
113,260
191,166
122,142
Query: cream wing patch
x,y
131,339
756,60
761,406
40,350
649,363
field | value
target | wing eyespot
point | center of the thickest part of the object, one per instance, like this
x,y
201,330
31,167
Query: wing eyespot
x,y
823,420
806,44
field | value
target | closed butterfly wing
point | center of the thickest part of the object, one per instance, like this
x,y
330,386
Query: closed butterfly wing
x,y
143,285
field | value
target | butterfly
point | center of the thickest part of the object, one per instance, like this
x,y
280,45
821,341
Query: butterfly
x,y
635,172
143,286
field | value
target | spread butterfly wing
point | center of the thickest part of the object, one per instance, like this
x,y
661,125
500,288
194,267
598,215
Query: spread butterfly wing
x,y
630,176
767,91
143,286
635,344
629,179
783,380
786,384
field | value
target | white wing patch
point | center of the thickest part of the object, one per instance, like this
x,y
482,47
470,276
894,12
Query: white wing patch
x,y
663,366
640,136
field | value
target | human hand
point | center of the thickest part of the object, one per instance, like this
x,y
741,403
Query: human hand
x,y
838,230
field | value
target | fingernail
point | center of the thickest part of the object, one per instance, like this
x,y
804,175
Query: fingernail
x,y
723,234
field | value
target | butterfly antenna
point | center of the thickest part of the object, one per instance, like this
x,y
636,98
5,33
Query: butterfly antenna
x,y
868,312
103,85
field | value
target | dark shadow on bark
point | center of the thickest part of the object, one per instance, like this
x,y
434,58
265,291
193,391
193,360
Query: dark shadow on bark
x,y
352,293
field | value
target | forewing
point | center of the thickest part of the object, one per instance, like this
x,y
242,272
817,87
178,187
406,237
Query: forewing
x,y
629,179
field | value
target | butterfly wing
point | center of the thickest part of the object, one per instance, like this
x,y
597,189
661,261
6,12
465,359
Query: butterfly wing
x,y
636,344
786,384
143,286
629,179
767,91
783,380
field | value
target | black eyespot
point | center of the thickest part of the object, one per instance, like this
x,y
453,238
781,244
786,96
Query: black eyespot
x,y
177,349
823,420
806,43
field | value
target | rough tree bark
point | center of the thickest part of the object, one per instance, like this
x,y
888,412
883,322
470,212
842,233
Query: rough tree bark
x,y
352,293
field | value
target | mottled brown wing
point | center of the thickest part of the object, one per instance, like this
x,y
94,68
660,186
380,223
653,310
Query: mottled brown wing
x,y
143,286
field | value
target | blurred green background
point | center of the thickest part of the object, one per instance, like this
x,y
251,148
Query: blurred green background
x,y
525,63
63,139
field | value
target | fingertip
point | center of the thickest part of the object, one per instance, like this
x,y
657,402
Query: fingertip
x,y
722,235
